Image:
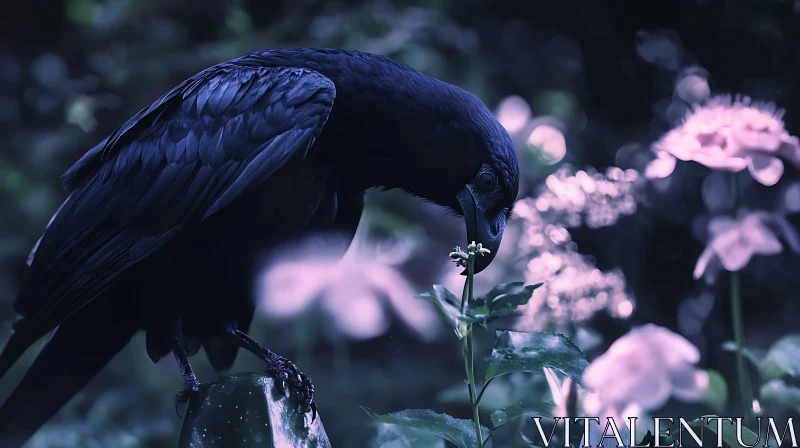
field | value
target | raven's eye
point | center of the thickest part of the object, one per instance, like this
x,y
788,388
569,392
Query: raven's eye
x,y
487,181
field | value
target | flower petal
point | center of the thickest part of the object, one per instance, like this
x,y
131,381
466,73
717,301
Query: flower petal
x,y
721,224
765,169
702,262
356,311
760,238
733,250
718,160
289,287
748,142
660,167
625,377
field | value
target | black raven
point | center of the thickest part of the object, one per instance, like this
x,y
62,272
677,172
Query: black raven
x,y
166,216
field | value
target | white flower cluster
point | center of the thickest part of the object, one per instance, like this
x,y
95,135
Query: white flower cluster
x,y
574,288
588,196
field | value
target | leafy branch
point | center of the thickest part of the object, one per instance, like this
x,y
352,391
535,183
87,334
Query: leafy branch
x,y
513,351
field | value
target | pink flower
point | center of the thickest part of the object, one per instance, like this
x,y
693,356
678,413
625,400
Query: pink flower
x,y
729,135
353,290
625,377
733,242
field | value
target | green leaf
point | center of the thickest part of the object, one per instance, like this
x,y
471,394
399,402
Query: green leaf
x,y
445,295
780,396
728,431
716,394
502,300
521,408
783,358
450,307
516,351
478,312
458,431
247,410
396,436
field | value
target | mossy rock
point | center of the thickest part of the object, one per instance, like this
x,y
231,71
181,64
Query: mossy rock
x,y
247,410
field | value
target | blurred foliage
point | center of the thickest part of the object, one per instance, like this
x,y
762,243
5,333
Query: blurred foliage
x,y
603,73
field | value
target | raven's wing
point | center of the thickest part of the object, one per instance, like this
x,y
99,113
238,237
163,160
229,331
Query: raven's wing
x,y
199,147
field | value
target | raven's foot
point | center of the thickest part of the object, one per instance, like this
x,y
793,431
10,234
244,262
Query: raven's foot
x,y
286,372
190,390
186,393
281,368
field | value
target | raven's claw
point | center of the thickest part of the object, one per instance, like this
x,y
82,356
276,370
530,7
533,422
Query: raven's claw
x,y
183,395
286,372
190,390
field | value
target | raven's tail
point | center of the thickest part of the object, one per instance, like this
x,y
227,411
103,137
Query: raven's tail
x,y
80,347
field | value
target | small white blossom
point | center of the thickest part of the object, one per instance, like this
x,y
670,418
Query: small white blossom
x,y
733,242
642,370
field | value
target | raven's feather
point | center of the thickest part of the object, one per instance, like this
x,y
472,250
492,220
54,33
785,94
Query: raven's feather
x,y
133,194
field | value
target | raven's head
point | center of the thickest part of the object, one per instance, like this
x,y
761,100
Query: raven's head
x,y
467,163
486,200
441,143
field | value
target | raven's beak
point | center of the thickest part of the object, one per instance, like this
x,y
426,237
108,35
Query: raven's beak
x,y
481,227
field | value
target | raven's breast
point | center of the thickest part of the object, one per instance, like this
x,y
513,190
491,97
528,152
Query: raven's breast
x,y
207,273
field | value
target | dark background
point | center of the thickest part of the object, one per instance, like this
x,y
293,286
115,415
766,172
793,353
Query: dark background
x,y
73,70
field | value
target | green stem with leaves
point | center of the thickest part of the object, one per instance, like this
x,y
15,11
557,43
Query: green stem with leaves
x,y
745,388
468,365
466,346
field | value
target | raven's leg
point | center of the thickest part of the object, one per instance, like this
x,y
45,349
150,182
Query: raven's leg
x,y
284,369
191,385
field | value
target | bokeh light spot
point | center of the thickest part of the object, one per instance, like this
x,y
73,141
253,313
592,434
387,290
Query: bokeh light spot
x,y
551,143
513,113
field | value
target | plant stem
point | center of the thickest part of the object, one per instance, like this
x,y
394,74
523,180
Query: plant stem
x,y
466,350
468,365
466,295
745,388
